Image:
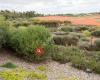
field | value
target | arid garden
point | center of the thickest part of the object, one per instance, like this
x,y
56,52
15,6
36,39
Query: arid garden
x,y
34,49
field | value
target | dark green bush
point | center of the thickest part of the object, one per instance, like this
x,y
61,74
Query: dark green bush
x,y
25,41
2,37
96,33
9,65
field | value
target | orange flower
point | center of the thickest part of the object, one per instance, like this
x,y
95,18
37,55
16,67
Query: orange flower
x,y
39,51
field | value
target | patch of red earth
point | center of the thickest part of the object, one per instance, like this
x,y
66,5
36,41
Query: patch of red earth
x,y
87,20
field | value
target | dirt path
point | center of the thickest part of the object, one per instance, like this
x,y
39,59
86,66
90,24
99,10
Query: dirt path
x,y
55,71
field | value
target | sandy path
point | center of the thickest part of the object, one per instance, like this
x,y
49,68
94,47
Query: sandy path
x,y
55,70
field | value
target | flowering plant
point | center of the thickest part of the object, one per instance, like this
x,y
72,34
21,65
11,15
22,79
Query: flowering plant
x,y
39,51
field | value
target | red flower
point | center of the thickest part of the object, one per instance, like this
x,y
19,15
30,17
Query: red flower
x,y
39,51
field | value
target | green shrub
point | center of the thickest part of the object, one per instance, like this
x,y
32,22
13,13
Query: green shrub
x,y
3,21
2,37
96,33
81,28
78,62
79,58
75,34
21,23
2,18
83,62
9,65
65,40
67,29
46,23
63,54
90,63
97,68
84,39
58,54
84,45
96,55
25,41
87,33
97,44
76,28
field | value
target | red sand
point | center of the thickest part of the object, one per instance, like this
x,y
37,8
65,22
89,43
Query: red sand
x,y
87,20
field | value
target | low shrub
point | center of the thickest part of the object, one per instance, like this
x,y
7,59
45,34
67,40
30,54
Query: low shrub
x,y
97,44
97,67
84,63
67,29
87,33
84,45
96,55
79,58
96,33
46,23
2,37
63,54
78,62
9,65
21,23
81,28
65,40
79,35
3,21
58,54
31,43
84,39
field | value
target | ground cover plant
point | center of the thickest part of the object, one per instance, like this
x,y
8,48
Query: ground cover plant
x,y
21,74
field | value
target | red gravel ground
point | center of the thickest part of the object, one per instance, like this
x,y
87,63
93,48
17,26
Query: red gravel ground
x,y
85,20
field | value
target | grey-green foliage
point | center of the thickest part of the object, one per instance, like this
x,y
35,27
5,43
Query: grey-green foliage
x,y
64,54
66,40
